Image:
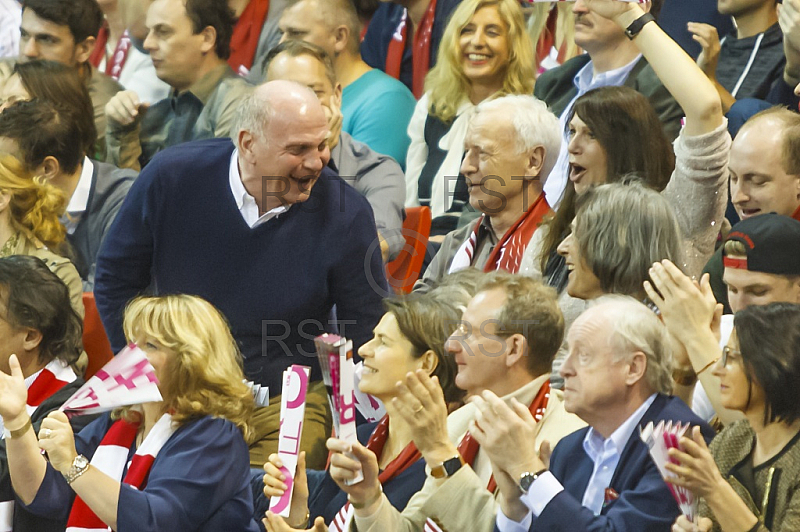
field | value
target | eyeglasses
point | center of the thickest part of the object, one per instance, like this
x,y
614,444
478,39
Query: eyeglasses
x,y
729,354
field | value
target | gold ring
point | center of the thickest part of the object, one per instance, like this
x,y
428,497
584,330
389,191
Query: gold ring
x,y
420,409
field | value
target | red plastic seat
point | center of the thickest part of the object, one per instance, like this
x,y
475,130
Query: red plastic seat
x,y
95,341
404,271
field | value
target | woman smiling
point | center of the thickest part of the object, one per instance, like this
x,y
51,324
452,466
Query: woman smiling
x,y
485,51
409,337
748,479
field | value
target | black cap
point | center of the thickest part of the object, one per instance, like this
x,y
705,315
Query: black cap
x,y
771,242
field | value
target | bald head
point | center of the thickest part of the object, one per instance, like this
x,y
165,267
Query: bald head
x,y
333,25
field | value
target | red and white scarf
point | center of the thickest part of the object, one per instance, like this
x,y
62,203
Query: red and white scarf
x,y
376,442
110,458
420,53
51,379
507,254
468,447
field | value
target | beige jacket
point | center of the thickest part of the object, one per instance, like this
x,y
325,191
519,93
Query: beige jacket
x,y
461,502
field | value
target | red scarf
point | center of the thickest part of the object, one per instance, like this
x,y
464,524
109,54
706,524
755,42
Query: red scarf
x,y
507,254
420,53
99,50
468,448
402,461
110,458
51,379
246,32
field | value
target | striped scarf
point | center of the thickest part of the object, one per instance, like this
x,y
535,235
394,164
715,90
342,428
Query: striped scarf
x,y
507,254
110,458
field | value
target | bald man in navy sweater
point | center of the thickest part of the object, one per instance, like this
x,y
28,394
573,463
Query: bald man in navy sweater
x,y
261,228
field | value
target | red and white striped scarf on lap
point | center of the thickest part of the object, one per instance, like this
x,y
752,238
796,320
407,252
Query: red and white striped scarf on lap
x,y
110,458
51,379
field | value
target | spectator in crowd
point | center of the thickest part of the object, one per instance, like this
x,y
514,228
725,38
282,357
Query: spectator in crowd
x,y
10,17
618,379
512,143
612,59
614,131
619,231
756,459
50,140
409,337
44,332
203,219
65,31
761,267
403,38
250,16
377,177
60,85
376,108
503,347
30,225
204,414
486,52
121,55
189,43
748,61
764,176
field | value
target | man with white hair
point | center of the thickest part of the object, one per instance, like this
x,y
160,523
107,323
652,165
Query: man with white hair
x,y
265,232
617,379
511,145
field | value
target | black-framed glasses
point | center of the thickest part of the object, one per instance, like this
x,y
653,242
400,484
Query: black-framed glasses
x,y
726,353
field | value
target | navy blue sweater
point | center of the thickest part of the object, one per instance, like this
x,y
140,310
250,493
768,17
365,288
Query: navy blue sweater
x,y
180,231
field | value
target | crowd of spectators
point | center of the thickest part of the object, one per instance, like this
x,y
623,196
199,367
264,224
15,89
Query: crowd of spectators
x,y
613,189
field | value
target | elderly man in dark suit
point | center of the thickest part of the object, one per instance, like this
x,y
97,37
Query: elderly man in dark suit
x,y
617,379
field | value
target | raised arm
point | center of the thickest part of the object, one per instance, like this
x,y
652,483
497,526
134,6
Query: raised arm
x,y
680,75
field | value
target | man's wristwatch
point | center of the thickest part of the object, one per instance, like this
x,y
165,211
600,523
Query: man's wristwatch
x,y
448,468
526,479
637,25
79,466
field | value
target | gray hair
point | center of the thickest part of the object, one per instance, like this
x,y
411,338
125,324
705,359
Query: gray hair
x,y
253,116
534,125
636,328
621,229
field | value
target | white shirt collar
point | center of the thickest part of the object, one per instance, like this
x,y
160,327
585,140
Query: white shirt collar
x,y
586,80
594,443
80,198
244,201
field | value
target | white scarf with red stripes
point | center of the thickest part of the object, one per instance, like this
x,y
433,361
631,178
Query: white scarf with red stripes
x,y
110,458
50,379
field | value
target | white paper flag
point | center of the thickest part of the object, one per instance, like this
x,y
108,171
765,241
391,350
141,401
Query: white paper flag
x,y
128,379
660,439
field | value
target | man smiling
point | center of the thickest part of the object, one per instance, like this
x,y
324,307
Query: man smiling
x,y
505,170
765,176
262,230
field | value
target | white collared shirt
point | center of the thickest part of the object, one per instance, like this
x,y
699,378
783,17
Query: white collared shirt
x,y
244,201
79,201
585,80
605,454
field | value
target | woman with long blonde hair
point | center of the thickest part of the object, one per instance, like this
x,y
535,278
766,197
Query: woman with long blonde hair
x,y
551,26
30,224
485,52
177,464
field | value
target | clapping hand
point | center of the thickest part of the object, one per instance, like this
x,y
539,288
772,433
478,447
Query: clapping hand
x,y
13,394
706,35
420,402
